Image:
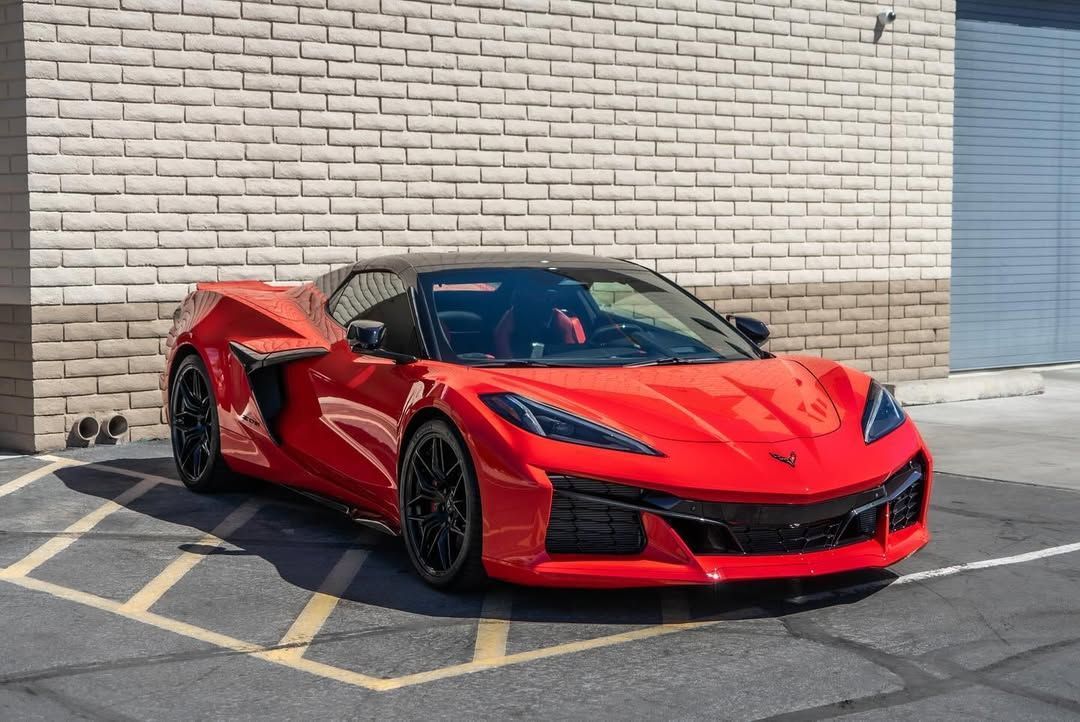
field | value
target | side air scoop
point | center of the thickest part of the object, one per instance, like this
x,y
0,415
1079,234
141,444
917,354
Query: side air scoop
x,y
264,376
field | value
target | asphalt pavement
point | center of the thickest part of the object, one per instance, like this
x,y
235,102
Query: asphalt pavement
x,y
124,596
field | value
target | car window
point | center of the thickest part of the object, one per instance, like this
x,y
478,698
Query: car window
x,y
379,296
573,317
621,299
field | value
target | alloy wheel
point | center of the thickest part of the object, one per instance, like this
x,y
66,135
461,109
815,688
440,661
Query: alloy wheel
x,y
192,423
436,506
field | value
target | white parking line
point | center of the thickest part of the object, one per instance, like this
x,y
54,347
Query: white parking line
x,y
988,563
915,577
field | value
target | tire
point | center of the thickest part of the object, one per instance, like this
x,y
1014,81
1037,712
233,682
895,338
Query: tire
x,y
441,518
194,430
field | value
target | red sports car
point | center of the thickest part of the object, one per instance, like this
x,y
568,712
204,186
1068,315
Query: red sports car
x,y
545,419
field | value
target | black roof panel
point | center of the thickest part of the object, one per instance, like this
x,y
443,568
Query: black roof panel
x,y
407,265
428,261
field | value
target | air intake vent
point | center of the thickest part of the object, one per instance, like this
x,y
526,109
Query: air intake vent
x,y
583,526
904,510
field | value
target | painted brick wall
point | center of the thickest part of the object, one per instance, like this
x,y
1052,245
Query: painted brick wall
x,y
770,155
16,374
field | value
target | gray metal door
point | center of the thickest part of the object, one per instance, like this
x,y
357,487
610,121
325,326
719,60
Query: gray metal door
x,y
1016,184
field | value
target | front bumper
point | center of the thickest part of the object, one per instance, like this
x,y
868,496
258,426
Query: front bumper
x,y
687,542
660,569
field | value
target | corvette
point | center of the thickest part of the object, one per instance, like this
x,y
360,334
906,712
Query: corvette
x,y
545,419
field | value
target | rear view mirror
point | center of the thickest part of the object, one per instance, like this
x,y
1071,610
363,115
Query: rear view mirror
x,y
752,328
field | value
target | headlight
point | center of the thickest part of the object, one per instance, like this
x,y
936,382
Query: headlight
x,y
552,423
882,415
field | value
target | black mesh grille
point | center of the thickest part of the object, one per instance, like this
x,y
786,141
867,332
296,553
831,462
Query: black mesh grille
x,y
581,526
780,540
811,537
904,509
587,526
864,524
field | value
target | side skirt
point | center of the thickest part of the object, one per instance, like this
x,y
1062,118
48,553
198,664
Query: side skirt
x,y
357,515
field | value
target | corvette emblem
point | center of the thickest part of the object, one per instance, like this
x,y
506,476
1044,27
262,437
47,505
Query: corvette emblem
x,y
789,459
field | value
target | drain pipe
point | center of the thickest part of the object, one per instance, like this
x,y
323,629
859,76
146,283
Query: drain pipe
x,y
114,429
83,431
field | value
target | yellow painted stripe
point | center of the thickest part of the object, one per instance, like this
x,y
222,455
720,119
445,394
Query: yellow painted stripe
x,y
32,476
69,536
490,645
318,609
170,575
493,628
674,609
155,620
119,470
329,671
543,653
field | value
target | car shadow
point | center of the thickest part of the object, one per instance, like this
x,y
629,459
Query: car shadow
x,y
304,540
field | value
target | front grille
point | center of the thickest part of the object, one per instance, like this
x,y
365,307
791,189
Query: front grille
x,y
601,522
583,526
811,537
904,509
784,539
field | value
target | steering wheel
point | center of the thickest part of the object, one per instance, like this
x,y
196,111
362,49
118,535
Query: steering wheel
x,y
615,331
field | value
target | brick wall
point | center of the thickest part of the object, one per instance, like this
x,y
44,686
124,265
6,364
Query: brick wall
x,y
769,155
16,373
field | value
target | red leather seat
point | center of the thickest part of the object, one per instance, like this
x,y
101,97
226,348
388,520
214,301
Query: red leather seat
x,y
561,328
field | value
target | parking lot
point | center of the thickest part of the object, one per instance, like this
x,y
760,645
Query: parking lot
x,y
123,595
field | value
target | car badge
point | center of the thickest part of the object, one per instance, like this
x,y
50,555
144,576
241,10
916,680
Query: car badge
x,y
789,459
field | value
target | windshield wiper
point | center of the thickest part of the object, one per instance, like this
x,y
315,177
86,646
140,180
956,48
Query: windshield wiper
x,y
515,363
672,360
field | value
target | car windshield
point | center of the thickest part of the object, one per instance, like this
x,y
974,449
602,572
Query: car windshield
x,y
573,317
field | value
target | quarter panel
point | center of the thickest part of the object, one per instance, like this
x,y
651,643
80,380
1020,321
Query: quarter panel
x,y
276,320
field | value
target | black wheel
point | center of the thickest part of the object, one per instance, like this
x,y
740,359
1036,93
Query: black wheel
x,y
193,425
440,508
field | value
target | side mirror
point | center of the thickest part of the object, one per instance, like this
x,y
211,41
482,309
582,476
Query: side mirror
x,y
753,329
366,336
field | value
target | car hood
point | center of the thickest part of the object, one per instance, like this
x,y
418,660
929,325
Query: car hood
x,y
767,400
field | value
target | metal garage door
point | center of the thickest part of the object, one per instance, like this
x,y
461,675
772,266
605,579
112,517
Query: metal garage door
x,y
1016,184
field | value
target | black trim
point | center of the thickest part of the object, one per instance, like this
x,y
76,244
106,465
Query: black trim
x,y
354,513
254,360
406,264
409,283
264,377
696,518
905,506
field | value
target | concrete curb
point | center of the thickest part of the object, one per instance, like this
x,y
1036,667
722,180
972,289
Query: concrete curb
x,y
969,387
